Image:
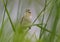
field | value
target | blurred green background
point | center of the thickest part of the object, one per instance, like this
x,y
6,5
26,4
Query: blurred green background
x,y
45,25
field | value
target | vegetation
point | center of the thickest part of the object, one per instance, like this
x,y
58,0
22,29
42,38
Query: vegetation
x,y
47,13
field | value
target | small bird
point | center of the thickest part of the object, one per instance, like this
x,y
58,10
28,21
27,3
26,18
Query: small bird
x,y
26,19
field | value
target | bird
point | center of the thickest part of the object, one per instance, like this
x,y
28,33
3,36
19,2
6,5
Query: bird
x,y
26,19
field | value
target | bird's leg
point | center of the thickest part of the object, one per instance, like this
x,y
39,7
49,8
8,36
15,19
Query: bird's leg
x,y
30,27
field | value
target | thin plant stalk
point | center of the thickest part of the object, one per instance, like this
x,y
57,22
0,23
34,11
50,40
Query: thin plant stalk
x,y
9,16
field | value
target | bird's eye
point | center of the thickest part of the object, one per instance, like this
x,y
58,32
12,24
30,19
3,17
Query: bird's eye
x,y
29,12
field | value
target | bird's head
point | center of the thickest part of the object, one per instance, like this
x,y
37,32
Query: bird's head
x,y
28,12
